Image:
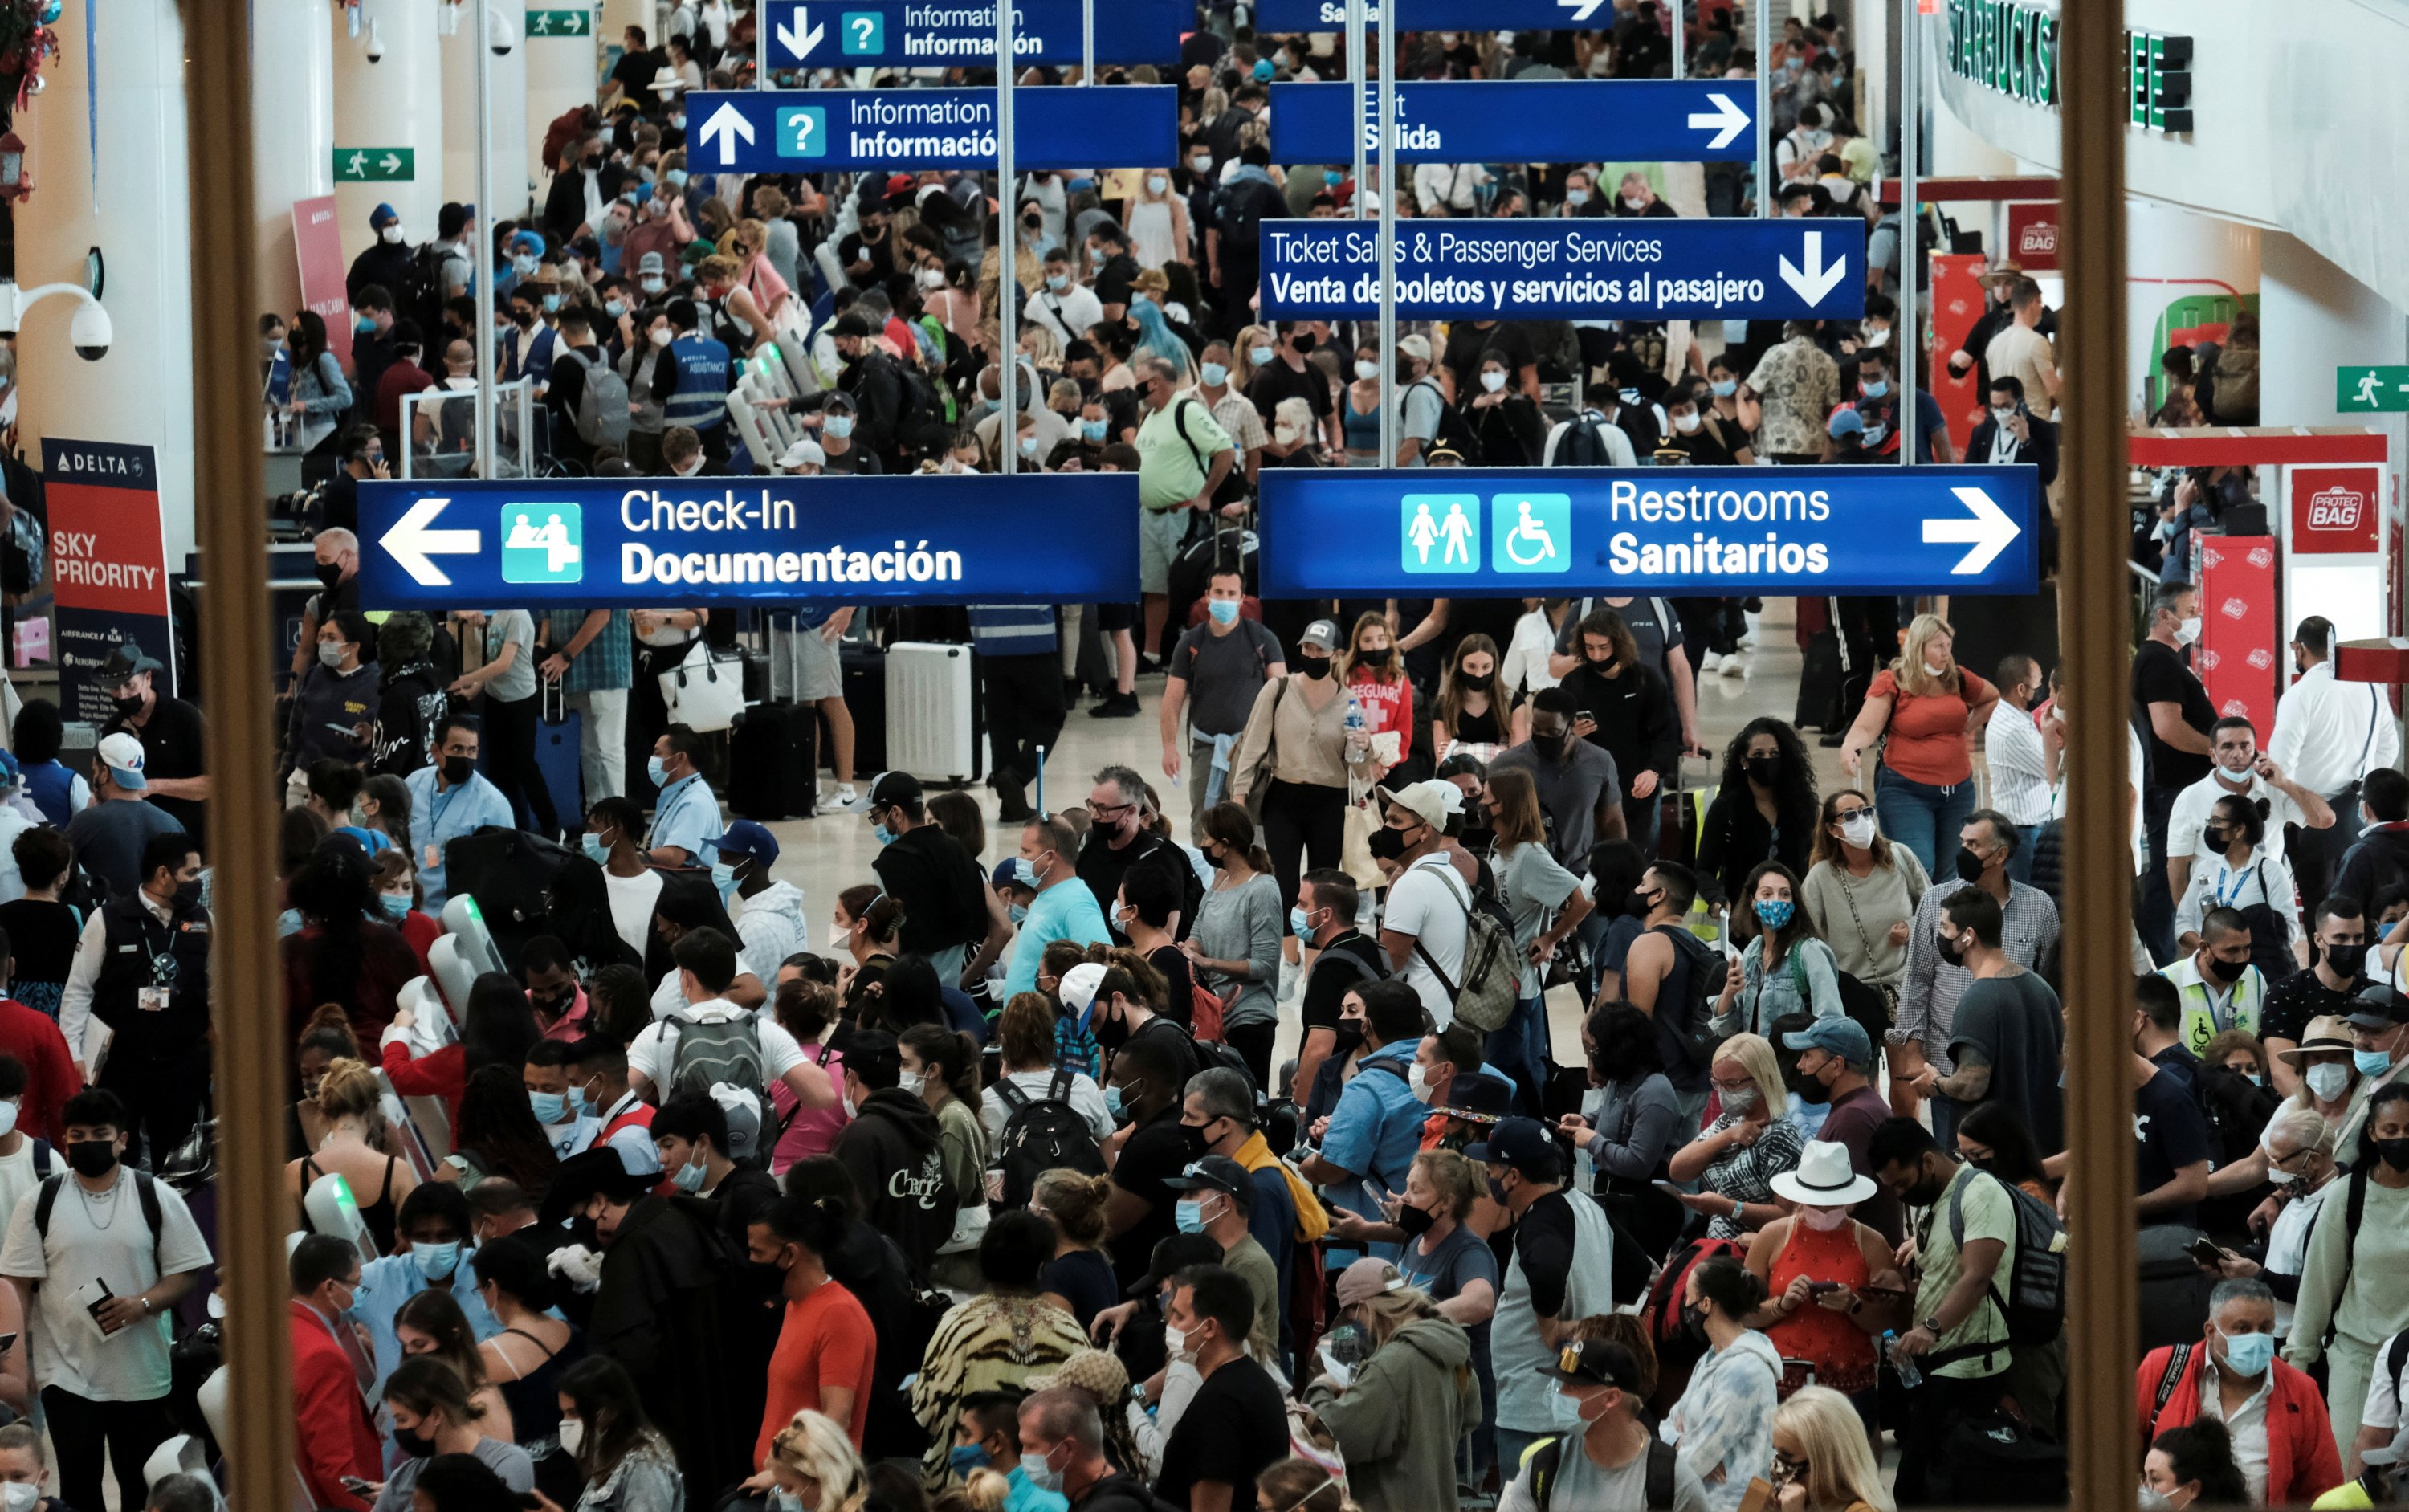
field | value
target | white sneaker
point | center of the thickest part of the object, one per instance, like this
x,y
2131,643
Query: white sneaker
x,y
1732,668
1708,664
842,800
1290,977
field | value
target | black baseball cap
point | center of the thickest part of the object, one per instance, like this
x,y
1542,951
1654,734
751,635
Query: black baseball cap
x,y
893,787
1212,1173
1173,1254
2377,1007
1517,1143
1595,1362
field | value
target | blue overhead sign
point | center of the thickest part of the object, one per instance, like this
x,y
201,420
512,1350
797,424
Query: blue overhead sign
x,y
1276,16
1523,121
1589,268
954,33
604,543
1456,532
812,130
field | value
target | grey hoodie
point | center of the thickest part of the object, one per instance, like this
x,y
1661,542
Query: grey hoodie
x,y
1398,1423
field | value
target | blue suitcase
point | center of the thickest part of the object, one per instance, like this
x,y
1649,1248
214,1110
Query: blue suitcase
x,y
558,735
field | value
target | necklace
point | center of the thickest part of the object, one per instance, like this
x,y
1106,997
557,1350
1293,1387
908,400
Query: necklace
x,y
107,1200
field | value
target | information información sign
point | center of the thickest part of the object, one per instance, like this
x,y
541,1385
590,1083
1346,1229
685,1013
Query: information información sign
x,y
1450,532
804,131
1590,268
1273,17
845,33
1519,120
604,543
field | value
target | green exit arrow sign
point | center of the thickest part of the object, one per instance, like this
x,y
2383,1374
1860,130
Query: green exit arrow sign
x,y
2370,390
560,23
375,165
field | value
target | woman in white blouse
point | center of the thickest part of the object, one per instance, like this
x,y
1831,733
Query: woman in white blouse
x,y
2241,871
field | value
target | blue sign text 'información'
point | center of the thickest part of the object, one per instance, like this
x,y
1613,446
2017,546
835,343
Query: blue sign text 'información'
x,y
1523,121
809,130
632,542
1444,532
960,33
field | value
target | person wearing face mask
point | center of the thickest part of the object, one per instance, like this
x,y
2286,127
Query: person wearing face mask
x,y
336,704
2010,434
1505,422
2193,1465
2324,988
335,1438
2181,752
432,1415
2273,1414
649,373
143,968
1215,1197
2352,1286
1055,912
626,1465
895,1134
449,799
108,837
1223,665
2219,986
827,1352
771,924
2006,1028
1156,221
170,729
1722,1425
2240,775
1615,1460
104,1373
1063,1438
1061,303
1861,893
1399,1413
692,386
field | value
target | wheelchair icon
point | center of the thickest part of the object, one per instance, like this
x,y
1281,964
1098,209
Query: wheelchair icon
x,y
1528,531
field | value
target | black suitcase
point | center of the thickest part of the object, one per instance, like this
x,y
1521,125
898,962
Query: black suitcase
x,y
509,873
1819,681
865,697
772,767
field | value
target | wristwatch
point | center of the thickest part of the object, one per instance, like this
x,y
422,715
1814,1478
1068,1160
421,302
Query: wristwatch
x,y
1137,1393
1932,1326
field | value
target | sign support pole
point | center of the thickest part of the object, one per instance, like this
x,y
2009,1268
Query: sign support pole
x,y
1086,41
1681,41
1007,428
481,225
1761,12
1355,27
1388,111
1906,337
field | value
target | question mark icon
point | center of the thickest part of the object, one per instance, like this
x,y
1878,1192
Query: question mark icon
x,y
803,125
863,26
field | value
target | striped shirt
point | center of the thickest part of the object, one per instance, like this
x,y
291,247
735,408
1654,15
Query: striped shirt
x,y
1928,993
1013,629
2012,750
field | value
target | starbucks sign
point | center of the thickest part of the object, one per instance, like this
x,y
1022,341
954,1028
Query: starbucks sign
x,y
2011,49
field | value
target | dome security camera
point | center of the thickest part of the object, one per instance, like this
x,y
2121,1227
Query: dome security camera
x,y
90,332
500,35
375,49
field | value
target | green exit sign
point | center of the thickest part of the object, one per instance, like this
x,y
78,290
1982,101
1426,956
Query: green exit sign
x,y
560,23
2370,390
375,165
2157,89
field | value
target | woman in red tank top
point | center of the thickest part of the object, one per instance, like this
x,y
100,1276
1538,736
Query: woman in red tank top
x,y
1831,1283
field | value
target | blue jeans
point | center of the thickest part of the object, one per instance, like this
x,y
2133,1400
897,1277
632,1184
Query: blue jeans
x,y
1520,1049
2020,864
1924,818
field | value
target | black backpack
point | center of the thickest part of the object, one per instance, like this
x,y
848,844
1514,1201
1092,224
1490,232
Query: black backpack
x,y
1695,1027
421,295
1239,209
2030,1290
1548,1455
1585,442
1042,1134
1455,431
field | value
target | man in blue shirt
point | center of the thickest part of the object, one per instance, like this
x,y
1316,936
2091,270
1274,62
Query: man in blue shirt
x,y
434,1221
686,814
1375,1132
449,799
1063,909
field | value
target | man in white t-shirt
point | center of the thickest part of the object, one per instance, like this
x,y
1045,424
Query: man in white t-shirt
x,y
2240,771
117,1252
613,840
1425,918
706,963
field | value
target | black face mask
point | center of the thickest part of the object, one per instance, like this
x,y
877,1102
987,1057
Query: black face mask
x,y
1192,1136
2225,972
93,1158
1375,656
413,1443
188,894
2392,1152
330,575
127,708
1313,665
1350,1037
1110,1030
524,318
1303,341
1550,747
1642,901
2345,960
1969,865
1926,1191
1810,1088
1387,844
1414,1221
2215,839
1952,951
1477,838
1694,1323
458,770
1475,684
1764,770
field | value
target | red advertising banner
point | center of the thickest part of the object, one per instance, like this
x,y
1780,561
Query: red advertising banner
x,y
2334,509
1956,305
2238,639
108,564
2032,234
317,245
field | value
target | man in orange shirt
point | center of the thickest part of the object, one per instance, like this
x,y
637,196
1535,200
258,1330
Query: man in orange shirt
x,y
825,1346
335,1440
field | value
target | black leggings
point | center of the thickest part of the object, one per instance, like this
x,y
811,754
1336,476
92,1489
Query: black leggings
x,y
509,759
1303,819
1254,1042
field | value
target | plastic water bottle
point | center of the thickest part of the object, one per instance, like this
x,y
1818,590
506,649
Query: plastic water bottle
x,y
1356,723
1908,1374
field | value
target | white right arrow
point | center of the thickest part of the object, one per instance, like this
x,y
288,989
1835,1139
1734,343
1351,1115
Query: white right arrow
x,y
390,162
1583,10
1989,532
1813,281
1726,119
726,124
413,544
803,42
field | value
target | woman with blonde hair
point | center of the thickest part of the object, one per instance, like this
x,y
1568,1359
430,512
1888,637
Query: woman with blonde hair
x,y
1821,1461
1078,1279
1924,708
1860,896
720,277
1399,1412
1156,219
355,1145
1736,1156
748,243
812,1462
1252,339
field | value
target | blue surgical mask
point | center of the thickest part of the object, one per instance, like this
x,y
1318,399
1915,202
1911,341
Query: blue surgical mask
x,y
436,1261
548,1107
1773,913
551,303
1224,610
1112,1101
838,427
689,1177
1092,430
965,1458
2370,1062
1188,1214
657,771
1216,374
783,1500
364,324
1575,196
882,834
1019,912
2249,1354
1725,388
1058,281
1875,388
1259,356
723,876
595,850
614,308
395,906
524,265
580,1106
1297,925
676,176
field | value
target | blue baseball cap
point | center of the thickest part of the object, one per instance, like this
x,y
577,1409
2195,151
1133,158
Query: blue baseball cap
x,y
1836,1035
1845,421
745,838
1515,1142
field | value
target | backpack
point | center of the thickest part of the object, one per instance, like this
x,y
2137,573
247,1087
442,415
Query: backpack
x,y
145,1191
1695,1026
1233,484
603,403
1042,1134
1860,1003
1212,1055
707,1054
1491,986
1545,1459
2235,397
421,295
1239,213
1585,442
2032,1297
1454,432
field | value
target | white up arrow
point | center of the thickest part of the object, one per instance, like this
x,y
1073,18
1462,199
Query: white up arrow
x,y
1813,281
1583,11
1726,119
804,42
413,544
726,124
1989,532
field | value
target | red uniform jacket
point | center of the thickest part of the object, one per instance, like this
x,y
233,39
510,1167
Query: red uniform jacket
x,y
335,1438
2301,1462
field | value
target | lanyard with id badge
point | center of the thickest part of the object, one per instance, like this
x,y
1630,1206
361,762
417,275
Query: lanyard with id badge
x,y
154,997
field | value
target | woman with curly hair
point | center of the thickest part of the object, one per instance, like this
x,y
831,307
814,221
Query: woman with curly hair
x,y
1764,808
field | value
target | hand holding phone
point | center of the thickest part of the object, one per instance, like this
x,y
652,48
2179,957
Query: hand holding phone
x,y
2207,1253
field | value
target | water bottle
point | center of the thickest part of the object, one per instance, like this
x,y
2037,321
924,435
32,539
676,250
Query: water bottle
x,y
1356,724
1908,1374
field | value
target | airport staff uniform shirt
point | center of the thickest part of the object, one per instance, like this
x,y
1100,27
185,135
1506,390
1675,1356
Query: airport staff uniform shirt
x,y
685,816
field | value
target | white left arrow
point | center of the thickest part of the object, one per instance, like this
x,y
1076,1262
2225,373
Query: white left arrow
x,y
414,545
1726,119
1582,9
1813,281
1989,531
726,124
803,42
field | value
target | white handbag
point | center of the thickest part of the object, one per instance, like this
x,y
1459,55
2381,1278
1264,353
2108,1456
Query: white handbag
x,y
704,692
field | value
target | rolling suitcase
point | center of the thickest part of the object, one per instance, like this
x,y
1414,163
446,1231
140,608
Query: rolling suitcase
x,y
558,737
864,667
933,713
773,768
